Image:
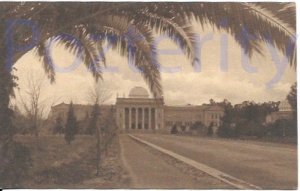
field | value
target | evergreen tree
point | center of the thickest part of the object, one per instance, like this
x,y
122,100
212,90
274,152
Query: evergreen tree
x,y
292,99
71,125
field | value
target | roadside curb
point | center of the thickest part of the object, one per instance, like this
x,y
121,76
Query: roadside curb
x,y
235,182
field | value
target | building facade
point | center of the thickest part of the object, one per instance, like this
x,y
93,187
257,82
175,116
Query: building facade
x,y
285,112
141,113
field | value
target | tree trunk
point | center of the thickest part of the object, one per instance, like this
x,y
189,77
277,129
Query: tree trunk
x,y
6,91
36,135
98,151
6,126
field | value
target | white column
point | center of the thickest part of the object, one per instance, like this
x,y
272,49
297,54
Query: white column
x,y
149,113
129,118
156,118
136,117
123,115
143,118
162,125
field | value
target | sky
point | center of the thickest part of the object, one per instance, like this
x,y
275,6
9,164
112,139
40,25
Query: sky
x,y
185,85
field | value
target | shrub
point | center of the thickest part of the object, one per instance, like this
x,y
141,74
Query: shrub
x,y
174,130
210,131
15,162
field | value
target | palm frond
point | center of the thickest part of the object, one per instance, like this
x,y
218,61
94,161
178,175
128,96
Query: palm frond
x,y
279,26
249,23
81,45
178,29
45,58
273,19
137,43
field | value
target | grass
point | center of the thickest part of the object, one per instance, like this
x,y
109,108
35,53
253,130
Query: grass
x,y
58,165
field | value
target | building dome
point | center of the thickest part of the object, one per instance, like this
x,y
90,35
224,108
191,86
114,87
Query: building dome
x,y
285,106
138,92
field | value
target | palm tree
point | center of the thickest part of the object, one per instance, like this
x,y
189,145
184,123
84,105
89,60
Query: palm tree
x,y
129,27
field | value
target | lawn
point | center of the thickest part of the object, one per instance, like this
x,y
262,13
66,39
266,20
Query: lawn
x,y
58,165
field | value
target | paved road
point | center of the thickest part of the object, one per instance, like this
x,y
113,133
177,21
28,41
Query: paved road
x,y
272,166
150,170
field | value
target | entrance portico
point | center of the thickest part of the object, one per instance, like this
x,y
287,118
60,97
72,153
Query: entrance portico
x,y
139,112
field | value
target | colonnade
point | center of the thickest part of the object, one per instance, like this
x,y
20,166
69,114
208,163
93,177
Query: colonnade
x,y
140,118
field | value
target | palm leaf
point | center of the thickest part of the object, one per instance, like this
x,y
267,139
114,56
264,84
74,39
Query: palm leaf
x,y
136,43
179,30
44,57
263,22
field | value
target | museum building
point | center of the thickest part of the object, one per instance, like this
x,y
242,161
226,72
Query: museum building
x,y
139,112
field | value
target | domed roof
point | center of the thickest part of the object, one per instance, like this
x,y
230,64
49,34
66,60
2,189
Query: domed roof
x,y
138,92
285,106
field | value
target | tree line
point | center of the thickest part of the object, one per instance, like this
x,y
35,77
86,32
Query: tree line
x,y
250,119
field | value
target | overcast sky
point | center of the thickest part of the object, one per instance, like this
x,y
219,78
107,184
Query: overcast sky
x,y
183,86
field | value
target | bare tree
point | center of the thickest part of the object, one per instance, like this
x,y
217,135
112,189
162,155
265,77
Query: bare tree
x,y
32,102
97,94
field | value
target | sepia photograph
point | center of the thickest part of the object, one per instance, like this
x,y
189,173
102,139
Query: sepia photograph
x,y
148,95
